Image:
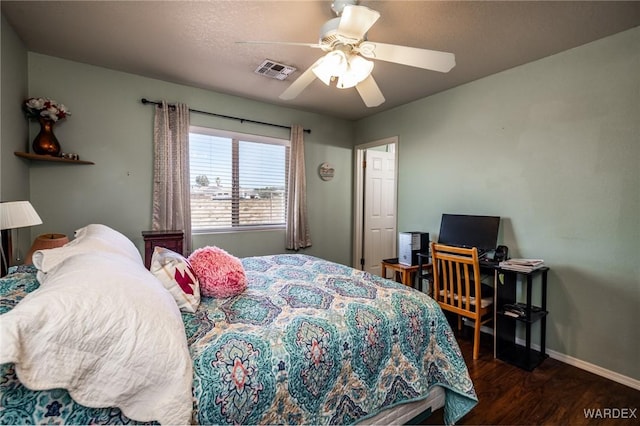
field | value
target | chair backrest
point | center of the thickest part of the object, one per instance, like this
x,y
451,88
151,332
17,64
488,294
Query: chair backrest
x,y
456,275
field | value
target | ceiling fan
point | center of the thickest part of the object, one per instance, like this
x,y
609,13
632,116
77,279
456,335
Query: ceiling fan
x,y
348,52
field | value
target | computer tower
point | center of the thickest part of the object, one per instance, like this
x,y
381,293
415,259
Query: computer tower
x,y
410,244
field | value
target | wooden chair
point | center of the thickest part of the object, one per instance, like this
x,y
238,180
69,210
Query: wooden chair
x,y
456,271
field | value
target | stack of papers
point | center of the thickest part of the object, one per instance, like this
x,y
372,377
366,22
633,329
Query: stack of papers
x,y
522,265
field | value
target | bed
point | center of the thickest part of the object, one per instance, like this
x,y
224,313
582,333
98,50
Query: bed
x,y
308,342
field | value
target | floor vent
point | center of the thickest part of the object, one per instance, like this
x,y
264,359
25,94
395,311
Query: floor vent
x,y
275,70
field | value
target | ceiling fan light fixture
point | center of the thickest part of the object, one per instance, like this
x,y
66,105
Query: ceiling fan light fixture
x,y
347,52
359,69
333,64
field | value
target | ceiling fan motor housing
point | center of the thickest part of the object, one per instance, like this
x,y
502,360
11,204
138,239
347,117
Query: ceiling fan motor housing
x,y
330,37
338,5
329,34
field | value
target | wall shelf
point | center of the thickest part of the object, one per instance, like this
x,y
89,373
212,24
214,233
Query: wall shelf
x,y
37,157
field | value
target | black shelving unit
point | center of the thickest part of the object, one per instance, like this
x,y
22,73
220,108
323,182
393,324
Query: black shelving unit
x,y
506,347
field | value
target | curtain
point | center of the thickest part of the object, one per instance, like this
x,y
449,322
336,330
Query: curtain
x,y
297,233
171,200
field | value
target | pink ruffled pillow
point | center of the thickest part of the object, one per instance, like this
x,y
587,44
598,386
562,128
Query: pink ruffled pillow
x,y
219,273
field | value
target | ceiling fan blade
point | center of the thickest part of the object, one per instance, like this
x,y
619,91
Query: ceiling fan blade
x,y
370,92
356,21
287,43
301,83
412,56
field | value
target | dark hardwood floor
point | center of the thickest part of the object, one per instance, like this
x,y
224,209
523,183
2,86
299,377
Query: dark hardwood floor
x,y
554,393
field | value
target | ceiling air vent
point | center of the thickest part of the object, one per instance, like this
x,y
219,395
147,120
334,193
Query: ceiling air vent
x,y
275,70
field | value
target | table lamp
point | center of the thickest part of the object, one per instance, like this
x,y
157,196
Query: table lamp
x,y
14,214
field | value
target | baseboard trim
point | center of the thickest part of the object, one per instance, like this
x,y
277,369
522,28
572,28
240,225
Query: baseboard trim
x,y
596,369
587,366
583,365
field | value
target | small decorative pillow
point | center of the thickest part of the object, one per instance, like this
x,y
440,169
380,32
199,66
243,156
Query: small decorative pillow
x,y
220,274
177,276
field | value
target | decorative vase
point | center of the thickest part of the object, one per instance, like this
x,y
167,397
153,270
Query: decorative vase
x,y
45,143
43,242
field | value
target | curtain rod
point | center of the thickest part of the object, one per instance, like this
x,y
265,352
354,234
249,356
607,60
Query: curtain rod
x,y
242,120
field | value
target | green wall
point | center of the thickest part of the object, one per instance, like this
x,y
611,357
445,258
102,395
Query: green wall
x,y
110,126
14,174
553,147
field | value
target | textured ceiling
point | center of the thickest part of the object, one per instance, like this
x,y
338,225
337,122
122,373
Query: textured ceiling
x,y
194,43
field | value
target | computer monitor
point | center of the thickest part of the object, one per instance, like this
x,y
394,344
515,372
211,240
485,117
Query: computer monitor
x,y
469,231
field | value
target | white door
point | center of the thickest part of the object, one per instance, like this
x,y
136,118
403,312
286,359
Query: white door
x,y
379,233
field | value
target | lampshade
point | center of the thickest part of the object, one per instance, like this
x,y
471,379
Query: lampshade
x,y
359,68
45,241
334,64
18,214
349,70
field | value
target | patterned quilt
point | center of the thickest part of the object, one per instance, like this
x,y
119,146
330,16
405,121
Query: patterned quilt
x,y
309,342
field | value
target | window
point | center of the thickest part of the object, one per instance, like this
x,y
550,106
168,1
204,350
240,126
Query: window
x,y
238,181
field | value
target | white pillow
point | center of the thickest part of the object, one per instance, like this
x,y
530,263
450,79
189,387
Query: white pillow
x,y
104,328
177,276
91,238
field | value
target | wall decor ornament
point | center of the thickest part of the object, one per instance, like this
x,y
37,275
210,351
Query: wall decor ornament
x,y
326,171
47,112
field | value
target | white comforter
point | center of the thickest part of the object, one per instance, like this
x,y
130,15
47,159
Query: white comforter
x,y
102,327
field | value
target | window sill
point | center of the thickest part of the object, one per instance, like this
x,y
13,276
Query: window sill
x,y
242,229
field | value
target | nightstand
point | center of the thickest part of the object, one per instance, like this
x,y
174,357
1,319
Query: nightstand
x,y
172,240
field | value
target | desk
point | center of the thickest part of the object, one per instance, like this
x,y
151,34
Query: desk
x,y
405,271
